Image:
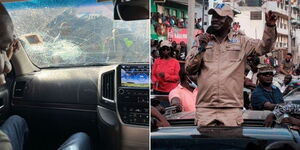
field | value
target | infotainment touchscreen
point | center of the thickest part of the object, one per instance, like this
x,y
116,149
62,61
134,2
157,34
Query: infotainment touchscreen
x,y
135,76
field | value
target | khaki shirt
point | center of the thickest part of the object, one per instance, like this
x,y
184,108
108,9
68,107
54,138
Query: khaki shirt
x,y
221,67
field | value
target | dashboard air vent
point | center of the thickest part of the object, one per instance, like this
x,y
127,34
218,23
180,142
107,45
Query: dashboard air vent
x,y
19,89
108,88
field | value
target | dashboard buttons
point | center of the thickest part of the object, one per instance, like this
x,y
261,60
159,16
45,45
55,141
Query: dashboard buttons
x,y
133,106
121,91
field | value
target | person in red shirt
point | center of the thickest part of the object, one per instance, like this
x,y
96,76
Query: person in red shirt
x,y
165,70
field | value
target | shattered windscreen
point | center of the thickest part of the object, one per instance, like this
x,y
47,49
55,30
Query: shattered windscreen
x,y
59,33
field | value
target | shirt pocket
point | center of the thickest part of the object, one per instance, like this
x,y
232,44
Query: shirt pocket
x,y
209,54
233,52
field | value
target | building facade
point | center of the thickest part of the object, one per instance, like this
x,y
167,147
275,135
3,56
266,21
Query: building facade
x,y
252,21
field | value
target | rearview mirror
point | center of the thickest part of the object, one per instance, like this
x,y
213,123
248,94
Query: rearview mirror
x,y
131,10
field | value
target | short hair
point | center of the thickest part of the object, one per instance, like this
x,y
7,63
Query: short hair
x,y
162,48
5,19
290,54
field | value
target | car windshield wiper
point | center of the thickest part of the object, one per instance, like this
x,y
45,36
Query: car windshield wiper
x,y
96,64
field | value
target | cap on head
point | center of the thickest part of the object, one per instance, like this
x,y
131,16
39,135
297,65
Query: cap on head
x,y
165,43
264,68
222,10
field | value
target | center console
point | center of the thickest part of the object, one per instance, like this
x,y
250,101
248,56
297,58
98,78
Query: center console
x,y
133,94
123,106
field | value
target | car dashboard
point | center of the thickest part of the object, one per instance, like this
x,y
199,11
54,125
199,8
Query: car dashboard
x,y
113,98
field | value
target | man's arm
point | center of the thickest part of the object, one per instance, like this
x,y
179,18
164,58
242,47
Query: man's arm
x,y
175,101
162,121
291,71
193,61
175,75
265,45
194,57
291,120
9,53
289,108
258,100
249,84
282,70
7,65
269,106
153,73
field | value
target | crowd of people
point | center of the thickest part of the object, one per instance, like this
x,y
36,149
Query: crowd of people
x,y
177,50
161,22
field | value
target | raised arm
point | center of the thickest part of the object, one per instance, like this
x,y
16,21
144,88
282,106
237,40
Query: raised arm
x,y
265,45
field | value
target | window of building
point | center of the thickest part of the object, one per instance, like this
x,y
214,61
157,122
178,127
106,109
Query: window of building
x,y
255,15
253,2
182,14
167,12
174,13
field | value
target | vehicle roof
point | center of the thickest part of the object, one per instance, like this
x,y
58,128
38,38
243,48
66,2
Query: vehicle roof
x,y
247,114
192,137
225,132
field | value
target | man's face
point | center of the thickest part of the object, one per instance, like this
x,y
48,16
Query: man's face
x,y
220,22
6,36
266,78
166,51
287,79
288,58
